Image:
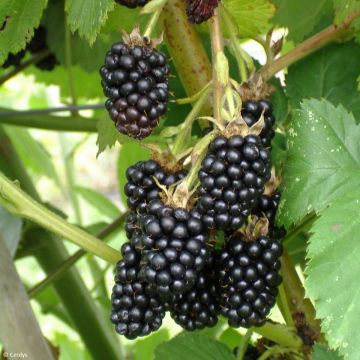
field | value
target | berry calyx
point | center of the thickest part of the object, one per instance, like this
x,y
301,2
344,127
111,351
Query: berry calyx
x,y
135,81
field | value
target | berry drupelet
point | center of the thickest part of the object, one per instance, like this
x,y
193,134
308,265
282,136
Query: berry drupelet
x,y
197,308
136,309
199,11
248,279
135,80
141,187
173,247
232,176
131,4
251,113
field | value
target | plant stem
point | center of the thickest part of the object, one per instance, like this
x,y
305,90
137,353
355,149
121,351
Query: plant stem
x,y
48,122
281,334
18,202
68,263
187,51
217,49
284,306
307,47
244,344
33,60
306,223
152,23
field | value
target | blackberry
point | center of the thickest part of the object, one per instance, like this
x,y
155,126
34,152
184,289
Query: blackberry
x,y
174,249
136,309
232,176
248,276
199,11
132,3
141,186
251,113
135,81
197,308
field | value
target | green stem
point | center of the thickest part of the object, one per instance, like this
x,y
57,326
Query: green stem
x,y
244,344
305,224
281,334
186,49
60,271
48,122
233,32
152,23
33,60
284,306
182,139
18,202
193,98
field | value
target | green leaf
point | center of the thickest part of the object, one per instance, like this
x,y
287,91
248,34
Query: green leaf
x,y
323,159
189,346
322,353
70,349
130,153
18,19
144,349
32,153
329,73
231,338
344,8
252,16
300,17
98,201
88,16
10,230
333,273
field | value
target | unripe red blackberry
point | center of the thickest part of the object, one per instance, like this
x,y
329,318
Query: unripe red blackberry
x,y
251,113
197,308
232,176
141,187
174,249
199,11
248,276
136,309
131,4
135,80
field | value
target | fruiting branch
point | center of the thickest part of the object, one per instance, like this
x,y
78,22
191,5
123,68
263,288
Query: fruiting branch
x,y
324,37
18,202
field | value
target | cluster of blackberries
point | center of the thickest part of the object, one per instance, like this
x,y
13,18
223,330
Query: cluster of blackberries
x,y
199,11
36,45
131,4
233,176
135,81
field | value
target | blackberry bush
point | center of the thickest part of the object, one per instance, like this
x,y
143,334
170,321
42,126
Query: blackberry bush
x,y
197,308
136,309
135,80
141,187
199,11
248,279
132,3
174,249
251,113
232,175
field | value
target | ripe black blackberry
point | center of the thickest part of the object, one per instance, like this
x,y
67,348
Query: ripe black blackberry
x,y
197,308
141,186
136,309
232,176
173,247
199,11
248,276
135,80
131,4
251,113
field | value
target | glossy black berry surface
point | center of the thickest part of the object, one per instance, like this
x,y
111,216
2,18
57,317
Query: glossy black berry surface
x,y
141,187
135,81
248,279
232,176
136,308
251,113
131,4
